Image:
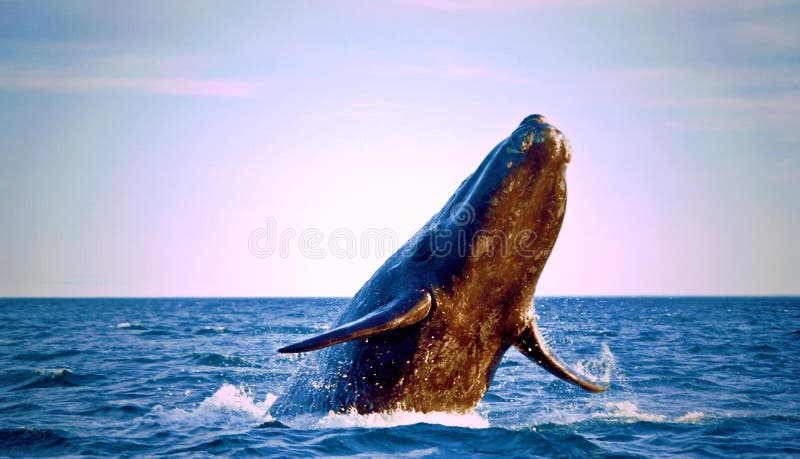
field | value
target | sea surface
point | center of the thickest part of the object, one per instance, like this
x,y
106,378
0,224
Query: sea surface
x,y
690,377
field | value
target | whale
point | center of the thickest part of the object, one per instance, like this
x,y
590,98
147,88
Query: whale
x,y
428,330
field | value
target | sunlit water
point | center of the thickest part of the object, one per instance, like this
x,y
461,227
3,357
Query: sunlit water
x,y
691,377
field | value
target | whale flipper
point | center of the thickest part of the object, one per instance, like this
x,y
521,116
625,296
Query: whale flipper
x,y
400,312
531,344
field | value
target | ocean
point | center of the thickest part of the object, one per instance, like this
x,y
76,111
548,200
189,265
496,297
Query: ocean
x,y
690,377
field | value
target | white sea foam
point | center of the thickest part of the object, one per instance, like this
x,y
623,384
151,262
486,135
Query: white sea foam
x,y
629,411
692,417
53,371
230,406
236,406
132,325
332,420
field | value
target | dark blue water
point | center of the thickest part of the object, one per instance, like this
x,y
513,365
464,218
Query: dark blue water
x,y
692,377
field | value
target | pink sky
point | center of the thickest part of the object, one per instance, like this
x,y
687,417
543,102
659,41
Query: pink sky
x,y
141,149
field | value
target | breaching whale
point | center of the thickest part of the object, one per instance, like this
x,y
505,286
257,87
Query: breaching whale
x,y
428,330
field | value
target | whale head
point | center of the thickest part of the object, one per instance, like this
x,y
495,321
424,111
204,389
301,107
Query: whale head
x,y
508,213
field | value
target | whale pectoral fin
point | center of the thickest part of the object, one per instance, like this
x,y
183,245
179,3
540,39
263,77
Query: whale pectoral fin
x,y
531,344
400,312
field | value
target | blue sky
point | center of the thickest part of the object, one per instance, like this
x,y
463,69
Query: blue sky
x,y
143,145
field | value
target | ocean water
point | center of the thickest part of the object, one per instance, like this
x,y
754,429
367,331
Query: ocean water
x,y
691,377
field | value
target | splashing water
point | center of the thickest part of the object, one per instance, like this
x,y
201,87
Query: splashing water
x,y
235,406
231,406
599,369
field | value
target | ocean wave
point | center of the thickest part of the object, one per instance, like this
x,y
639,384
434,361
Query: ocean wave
x,y
508,363
222,360
30,441
156,387
616,412
131,326
629,412
53,377
692,417
44,356
121,411
212,330
18,406
157,332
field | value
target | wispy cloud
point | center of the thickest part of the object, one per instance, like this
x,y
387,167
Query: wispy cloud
x,y
163,86
787,103
775,35
750,86
455,72
714,98
104,67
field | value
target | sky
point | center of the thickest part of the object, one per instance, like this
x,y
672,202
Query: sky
x,y
211,148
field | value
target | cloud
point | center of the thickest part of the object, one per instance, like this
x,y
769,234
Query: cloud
x,y
714,87
773,35
164,86
712,98
104,67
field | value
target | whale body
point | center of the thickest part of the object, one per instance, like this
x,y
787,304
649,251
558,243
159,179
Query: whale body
x,y
428,330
